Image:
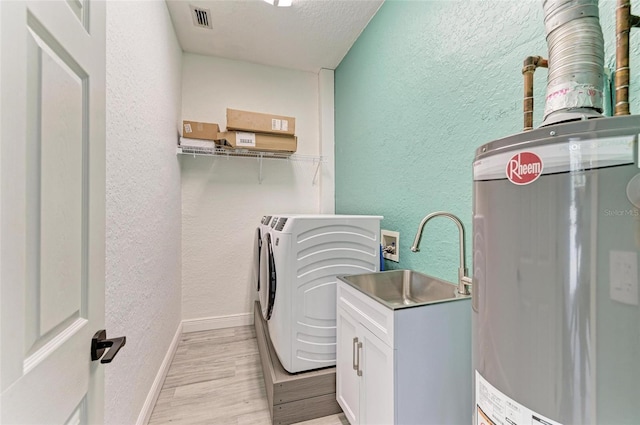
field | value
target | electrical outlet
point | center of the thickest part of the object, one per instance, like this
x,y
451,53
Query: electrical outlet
x,y
623,276
390,245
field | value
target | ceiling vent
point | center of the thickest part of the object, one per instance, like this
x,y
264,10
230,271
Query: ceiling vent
x,y
201,17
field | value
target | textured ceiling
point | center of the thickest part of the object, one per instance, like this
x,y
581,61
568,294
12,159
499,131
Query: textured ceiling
x,y
308,36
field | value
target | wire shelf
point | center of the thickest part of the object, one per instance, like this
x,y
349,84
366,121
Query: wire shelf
x,y
218,151
260,155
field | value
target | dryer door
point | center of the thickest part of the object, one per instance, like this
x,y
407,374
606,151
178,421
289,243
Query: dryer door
x,y
257,246
267,277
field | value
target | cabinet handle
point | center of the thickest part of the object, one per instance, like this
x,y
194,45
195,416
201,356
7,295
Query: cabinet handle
x,y
358,360
353,353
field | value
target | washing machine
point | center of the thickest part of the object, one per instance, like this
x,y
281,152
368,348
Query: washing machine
x,y
261,231
300,258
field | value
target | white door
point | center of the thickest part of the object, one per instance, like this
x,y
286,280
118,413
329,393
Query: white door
x,y
377,386
347,379
52,205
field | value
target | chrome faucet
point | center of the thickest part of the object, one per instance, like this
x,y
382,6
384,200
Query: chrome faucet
x,y
464,281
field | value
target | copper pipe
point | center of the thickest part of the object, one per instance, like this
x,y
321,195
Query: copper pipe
x,y
623,26
528,68
624,22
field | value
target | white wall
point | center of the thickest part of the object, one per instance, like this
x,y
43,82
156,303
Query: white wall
x,y
326,85
222,200
143,238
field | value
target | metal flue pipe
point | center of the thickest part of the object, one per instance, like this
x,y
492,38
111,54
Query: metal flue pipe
x,y
576,60
624,22
528,68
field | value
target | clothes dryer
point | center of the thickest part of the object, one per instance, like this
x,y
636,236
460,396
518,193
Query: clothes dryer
x,y
301,257
261,234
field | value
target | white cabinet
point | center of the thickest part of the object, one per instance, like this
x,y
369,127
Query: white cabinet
x,y
404,366
376,392
347,379
365,388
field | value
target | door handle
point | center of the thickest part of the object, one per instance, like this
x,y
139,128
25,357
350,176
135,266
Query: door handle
x,y
99,343
353,353
358,360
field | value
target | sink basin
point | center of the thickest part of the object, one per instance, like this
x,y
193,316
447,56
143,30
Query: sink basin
x,y
404,288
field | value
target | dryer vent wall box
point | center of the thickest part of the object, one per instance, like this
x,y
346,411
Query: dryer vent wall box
x,y
390,241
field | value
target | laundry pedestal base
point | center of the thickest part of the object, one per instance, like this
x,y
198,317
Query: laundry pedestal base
x,y
293,397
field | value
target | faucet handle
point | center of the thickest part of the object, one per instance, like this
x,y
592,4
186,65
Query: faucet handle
x,y
464,286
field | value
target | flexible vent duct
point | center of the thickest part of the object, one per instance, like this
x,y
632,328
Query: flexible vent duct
x,y
576,60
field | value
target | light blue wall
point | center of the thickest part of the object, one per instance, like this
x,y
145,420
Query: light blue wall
x,y
427,83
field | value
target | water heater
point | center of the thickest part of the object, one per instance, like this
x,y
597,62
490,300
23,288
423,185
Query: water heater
x,y
556,237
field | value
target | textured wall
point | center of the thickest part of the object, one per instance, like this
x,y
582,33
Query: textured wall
x,y
222,200
426,84
143,199
326,89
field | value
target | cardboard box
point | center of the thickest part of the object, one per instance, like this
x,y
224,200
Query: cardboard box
x,y
200,130
197,143
260,123
257,141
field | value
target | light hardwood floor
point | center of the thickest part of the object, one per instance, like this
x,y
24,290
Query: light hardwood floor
x,y
215,378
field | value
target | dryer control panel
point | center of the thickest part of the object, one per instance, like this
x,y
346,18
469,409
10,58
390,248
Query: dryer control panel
x,y
279,225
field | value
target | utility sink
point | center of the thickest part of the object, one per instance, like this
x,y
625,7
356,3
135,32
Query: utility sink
x,y
404,288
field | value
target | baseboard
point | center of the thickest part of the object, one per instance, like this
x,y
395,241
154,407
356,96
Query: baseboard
x,y
154,392
219,322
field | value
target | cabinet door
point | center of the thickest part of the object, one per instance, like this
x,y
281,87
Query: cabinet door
x,y
347,379
377,386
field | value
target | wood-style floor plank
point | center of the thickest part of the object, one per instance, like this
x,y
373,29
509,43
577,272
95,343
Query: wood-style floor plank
x,y
216,378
